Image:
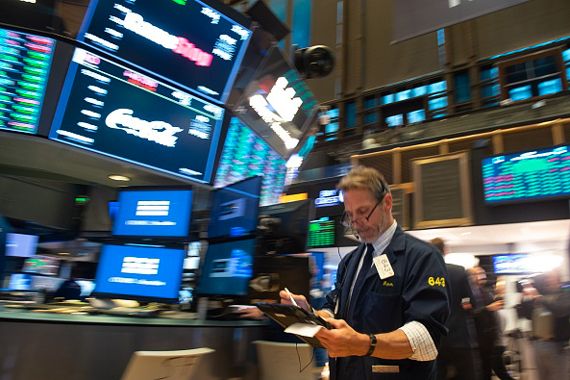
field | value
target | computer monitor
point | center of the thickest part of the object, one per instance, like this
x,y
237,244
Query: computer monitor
x,y
322,233
44,265
154,212
20,281
235,209
273,273
227,268
142,273
284,226
21,245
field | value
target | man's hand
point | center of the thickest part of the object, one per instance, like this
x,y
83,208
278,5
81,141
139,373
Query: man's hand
x,y
300,299
342,340
497,305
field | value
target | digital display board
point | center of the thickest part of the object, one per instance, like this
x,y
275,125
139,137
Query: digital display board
x,y
531,175
321,233
245,155
21,245
278,105
190,42
25,61
154,213
141,273
235,209
228,267
109,109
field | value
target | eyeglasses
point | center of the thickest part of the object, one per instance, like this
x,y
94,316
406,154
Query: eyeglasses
x,y
348,221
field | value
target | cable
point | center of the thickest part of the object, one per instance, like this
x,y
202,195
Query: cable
x,y
301,368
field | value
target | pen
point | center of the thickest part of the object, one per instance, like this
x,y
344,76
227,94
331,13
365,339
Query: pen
x,y
291,297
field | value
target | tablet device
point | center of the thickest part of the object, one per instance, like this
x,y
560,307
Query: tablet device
x,y
286,315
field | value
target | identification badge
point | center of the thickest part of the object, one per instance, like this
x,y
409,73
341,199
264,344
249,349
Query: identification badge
x,y
383,266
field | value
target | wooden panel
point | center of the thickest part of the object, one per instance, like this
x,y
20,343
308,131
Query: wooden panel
x,y
400,206
527,139
442,191
461,145
567,132
380,162
409,155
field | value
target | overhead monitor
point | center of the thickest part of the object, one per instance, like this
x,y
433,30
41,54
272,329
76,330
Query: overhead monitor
x,y
278,104
25,62
112,110
198,44
532,175
322,233
21,245
154,212
140,273
20,281
44,265
227,268
244,155
235,208
512,264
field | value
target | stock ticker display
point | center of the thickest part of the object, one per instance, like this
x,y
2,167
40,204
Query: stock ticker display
x,y
25,61
536,174
244,155
187,41
109,109
321,233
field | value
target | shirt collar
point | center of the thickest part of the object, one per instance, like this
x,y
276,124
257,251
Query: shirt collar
x,y
384,240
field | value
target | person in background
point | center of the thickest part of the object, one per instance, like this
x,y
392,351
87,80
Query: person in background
x,y
485,308
387,319
547,305
458,353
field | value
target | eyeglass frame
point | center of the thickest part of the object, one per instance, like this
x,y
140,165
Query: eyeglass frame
x,y
347,221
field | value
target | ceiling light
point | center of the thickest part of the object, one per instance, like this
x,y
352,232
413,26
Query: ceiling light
x,y
117,177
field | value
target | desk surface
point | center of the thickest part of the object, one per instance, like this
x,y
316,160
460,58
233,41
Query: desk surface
x,y
33,316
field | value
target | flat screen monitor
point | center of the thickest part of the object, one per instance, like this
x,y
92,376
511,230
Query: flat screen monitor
x,y
198,44
109,109
273,273
154,213
48,284
285,226
512,264
140,273
21,245
24,72
278,104
227,268
20,281
235,209
44,265
244,155
322,233
531,175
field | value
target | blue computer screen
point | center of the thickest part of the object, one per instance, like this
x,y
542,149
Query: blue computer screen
x,y
227,269
235,209
531,175
154,213
21,245
191,42
112,110
137,272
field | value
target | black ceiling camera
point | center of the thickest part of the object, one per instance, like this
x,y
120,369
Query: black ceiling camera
x,y
314,61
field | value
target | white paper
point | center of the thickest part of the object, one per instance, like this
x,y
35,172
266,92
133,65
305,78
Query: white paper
x,y
304,329
383,266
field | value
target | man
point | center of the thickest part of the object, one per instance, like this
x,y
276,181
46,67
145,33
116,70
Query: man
x,y
386,318
485,308
458,350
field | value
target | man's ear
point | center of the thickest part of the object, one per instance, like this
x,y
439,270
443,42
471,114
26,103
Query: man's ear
x,y
388,202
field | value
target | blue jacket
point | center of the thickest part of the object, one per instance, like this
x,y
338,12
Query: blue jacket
x,y
418,291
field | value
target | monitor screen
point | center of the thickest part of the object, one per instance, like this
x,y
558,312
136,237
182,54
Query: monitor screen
x,y
44,265
87,287
154,213
138,272
512,264
278,104
191,42
235,208
49,284
112,110
24,71
322,233
20,281
244,155
273,273
21,245
532,175
285,226
227,269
